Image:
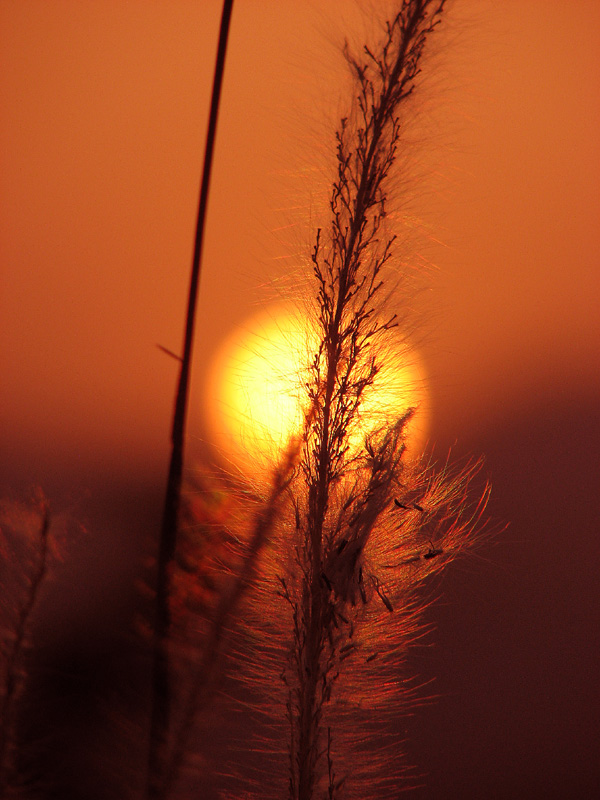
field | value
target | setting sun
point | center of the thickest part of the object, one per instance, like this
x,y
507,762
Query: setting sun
x,y
256,390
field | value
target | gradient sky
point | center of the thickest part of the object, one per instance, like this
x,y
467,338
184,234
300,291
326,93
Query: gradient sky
x,y
104,107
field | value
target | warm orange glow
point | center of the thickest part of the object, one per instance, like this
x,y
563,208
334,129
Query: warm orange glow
x,y
255,394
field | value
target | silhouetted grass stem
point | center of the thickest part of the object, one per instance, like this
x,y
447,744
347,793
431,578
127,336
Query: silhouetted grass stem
x,y
159,724
347,263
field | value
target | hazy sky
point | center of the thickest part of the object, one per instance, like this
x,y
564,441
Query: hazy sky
x,y
104,107
104,110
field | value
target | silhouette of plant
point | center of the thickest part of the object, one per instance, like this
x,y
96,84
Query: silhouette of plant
x,y
325,586
315,585
161,678
25,564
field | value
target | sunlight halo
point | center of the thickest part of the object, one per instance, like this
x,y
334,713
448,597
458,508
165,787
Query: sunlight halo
x,y
255,391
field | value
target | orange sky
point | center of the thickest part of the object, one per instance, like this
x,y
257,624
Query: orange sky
x,y
104,111
103,117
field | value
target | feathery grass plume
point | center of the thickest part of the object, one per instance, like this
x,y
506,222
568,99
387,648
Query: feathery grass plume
x,y
359,556
343,493
323,634
19,598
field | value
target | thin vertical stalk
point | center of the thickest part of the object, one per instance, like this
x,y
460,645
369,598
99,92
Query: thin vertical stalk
x,y
159,725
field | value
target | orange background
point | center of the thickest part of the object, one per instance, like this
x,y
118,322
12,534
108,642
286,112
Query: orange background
x,y
104,109
104,112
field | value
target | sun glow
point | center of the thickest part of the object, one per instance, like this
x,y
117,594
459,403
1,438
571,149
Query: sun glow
x,y
256,395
